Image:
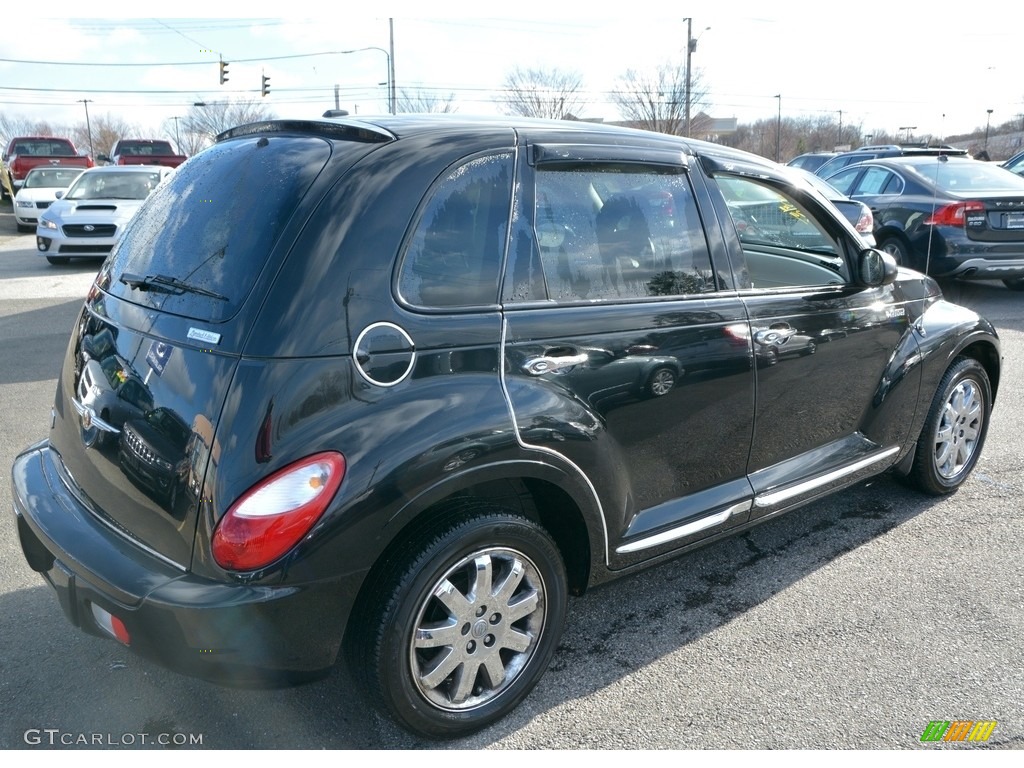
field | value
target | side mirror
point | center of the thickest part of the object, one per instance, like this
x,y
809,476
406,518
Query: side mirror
x,y
876,268
103,158
59,194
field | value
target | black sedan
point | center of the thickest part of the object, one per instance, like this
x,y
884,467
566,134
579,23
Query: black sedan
x,y
947,216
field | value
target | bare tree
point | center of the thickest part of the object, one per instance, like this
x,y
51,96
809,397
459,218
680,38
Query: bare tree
x,y
421,100
106,130
656,101
15,125
207,119
542,93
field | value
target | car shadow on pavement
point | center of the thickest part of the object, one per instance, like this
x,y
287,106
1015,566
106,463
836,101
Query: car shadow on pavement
x,y
57,677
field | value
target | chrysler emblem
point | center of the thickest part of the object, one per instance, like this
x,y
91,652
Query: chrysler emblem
x,y
87,418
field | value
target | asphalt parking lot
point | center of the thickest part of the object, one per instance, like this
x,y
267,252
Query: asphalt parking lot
x,y
850,624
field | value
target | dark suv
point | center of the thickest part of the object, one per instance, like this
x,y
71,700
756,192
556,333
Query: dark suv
x,y
834,165
438,374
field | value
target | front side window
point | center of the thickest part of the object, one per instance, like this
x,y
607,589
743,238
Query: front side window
x,y
784,243
610,233
454,256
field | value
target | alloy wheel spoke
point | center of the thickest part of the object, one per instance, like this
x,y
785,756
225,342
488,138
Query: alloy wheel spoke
x,y
464,680
442,666
438,635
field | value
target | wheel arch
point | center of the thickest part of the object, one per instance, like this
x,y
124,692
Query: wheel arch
x,y
538,492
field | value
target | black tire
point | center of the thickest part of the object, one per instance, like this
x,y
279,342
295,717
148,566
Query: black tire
x,y
490,654
1014,283
661,381
955,429
896,248
59,261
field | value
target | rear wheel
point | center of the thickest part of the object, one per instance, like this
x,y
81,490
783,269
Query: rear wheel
x,y
1014,283
897,249
463,628
955,429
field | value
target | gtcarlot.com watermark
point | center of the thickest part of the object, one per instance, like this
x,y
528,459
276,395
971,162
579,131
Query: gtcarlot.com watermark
x,y
54,737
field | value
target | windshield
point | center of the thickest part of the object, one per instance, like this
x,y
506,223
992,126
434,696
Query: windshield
x,y
118,185
56,178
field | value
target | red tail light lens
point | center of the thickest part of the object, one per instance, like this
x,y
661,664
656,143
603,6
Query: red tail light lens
x,y
273,516
866,223
954,214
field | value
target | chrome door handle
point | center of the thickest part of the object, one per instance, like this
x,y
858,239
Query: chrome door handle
x,y
538,366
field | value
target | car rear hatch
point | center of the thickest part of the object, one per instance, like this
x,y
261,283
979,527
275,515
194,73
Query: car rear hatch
x,y
986,201
155,349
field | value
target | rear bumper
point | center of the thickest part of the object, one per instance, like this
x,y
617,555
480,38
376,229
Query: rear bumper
x,y
226,631
988,269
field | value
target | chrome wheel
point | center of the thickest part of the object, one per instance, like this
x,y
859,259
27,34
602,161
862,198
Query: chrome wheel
x,y
661,382
959,429
460,624
953,435
478,629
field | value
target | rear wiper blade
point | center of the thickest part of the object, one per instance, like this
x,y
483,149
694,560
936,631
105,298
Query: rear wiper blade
x,y
165,284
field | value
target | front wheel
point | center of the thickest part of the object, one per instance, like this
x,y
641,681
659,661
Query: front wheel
x,y
954,431
59,261
660,382
1014,283
464,627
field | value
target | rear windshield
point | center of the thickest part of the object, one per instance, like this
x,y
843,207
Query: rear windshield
x,y
144,148
970,176
214,224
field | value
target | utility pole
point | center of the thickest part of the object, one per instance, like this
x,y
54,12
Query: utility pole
x,y
778,128
88,127
689,57
840,126
391,66
988,121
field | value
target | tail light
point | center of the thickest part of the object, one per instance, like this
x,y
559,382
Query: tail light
x,y
866,223
272,517
954,214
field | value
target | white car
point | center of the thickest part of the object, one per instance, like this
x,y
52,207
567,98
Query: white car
x,y
38,191
88,220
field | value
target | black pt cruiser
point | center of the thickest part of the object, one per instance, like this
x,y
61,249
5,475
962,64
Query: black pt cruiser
x,y
431,375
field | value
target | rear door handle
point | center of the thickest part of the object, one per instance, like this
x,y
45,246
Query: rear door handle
x,y
554,362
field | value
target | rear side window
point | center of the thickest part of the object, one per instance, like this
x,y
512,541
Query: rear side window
x,y
215,223
454,256
611,233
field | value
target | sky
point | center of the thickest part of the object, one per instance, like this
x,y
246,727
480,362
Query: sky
x,y
888,69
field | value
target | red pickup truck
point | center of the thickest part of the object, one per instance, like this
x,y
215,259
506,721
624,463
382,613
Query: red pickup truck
x,y
24,153
143,152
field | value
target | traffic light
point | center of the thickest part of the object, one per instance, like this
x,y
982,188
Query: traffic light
x,y
266,86
223,72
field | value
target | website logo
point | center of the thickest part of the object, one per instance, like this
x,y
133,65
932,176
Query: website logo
x,y
958,730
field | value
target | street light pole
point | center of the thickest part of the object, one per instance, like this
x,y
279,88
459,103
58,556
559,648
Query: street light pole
x,y
390,81
88,126
177,136
840,126
988,122
778,128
